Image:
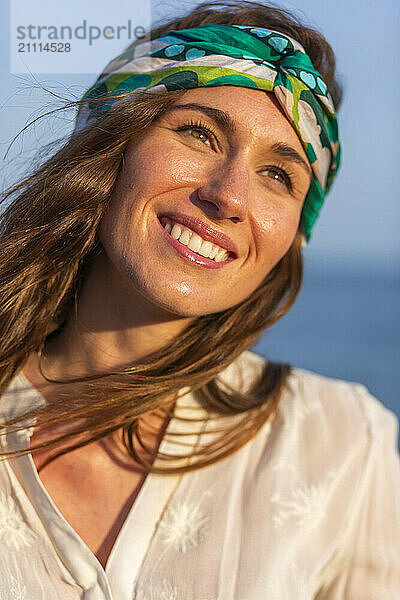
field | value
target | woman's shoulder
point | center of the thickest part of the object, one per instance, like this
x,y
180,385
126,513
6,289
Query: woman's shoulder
x,y
327,430
314,401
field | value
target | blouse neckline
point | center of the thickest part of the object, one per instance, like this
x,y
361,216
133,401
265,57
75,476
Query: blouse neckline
x,y
124,561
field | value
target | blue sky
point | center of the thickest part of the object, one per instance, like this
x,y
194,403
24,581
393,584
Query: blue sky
x,y
359,224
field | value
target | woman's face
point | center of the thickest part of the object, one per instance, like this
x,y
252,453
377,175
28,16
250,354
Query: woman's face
x,y
240,188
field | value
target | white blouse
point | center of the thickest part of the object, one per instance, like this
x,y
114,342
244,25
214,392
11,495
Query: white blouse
x,y
309,509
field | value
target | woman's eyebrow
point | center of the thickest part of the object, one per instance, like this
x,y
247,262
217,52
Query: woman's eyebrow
x,y
226,123
219,116
286,151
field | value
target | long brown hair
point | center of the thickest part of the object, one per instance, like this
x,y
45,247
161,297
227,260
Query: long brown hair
x,y
48,239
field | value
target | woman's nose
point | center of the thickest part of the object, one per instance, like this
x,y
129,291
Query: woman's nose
x,y
225,190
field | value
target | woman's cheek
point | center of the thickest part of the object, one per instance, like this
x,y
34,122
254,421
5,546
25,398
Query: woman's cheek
x,y
287,230
278,228
159,154
180,166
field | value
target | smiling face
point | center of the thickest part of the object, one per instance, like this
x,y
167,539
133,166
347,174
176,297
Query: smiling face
x,y
246,179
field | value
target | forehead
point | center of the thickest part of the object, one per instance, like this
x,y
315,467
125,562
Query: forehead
x,y
255,113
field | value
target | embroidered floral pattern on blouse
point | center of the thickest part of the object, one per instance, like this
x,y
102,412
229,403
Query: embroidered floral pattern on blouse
x,y
14,532
166,591
12,588
163,591
184,526
306,505
17,590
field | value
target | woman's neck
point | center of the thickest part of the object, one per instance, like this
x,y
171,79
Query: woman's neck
x,y
114,326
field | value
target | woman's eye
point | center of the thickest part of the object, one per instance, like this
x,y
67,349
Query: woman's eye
x,y
202,135
280,176
198,132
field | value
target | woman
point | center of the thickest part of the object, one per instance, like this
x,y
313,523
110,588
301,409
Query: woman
x,y
147,453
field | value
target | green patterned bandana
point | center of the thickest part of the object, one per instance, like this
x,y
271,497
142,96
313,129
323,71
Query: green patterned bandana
x,y
233,55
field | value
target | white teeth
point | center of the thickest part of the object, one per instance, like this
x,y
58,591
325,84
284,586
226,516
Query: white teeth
x,y
195,242
221,256
213,252
205,249
176,231
185,237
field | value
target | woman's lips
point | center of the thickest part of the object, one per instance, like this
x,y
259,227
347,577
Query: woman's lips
x,y
204,230
191,256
